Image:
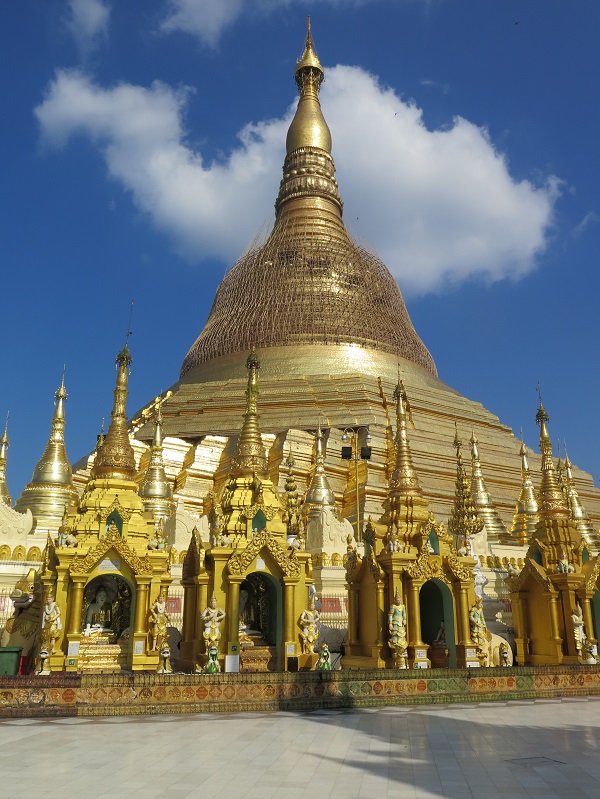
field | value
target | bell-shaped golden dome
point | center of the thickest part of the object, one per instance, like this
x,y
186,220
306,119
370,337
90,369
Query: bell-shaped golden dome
x,y
309,283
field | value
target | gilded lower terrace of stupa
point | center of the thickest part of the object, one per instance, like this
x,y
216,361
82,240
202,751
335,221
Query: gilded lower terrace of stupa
x,y
477,514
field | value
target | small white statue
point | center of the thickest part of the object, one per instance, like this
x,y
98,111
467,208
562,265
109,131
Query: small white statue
x,y
212,616
51,624
578,628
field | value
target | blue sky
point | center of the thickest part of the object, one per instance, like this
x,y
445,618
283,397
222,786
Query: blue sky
x,y
143,144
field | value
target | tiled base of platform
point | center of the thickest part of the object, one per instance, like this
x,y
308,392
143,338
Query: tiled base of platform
x,y
140,693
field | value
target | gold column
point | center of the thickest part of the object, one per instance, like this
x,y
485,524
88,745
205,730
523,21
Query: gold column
x,y
76,603
141,608
201,603
358,528
554,618
233,614
463,615
587,617
414,615
289,621
381,626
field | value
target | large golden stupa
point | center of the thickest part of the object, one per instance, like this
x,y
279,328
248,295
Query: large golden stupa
x,y
333,335
352,487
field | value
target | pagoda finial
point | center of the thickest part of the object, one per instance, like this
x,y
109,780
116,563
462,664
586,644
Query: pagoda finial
x,y
115,457
308,128
526,515
552,501
155,489
319,491
577,512
404,477
4,444
51,486
464,521
495,528
251,456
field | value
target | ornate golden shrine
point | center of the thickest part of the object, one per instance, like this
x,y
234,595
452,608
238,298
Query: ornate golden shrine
x,y
406,554
248,544
100,569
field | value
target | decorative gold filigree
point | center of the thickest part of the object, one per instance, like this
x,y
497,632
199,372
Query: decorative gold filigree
x,y
239,562
83,564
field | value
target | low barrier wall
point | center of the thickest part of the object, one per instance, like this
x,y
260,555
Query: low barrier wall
x,y
143,693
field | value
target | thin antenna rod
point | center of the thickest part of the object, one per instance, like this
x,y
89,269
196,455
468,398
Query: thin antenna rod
x,y
129,330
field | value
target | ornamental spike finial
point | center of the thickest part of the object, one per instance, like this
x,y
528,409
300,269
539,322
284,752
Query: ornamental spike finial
x,y
115,457
319,491
464,521
404,477
51,487
526,515
552,501
496,531
251,456
4,444
155,489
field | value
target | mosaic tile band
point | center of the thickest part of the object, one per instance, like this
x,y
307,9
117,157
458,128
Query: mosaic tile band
x,y
132,694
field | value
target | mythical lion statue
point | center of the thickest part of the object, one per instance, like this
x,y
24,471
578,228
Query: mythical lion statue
x,y
22,627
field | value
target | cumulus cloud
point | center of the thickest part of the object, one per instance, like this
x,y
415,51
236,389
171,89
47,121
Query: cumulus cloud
x,y
88,22
207,19
440,206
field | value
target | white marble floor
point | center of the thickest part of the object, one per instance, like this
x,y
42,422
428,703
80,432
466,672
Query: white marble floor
x,y
493,751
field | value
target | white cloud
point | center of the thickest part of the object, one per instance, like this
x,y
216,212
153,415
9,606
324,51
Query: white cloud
x,y
439,206
208,18
88,22
589,219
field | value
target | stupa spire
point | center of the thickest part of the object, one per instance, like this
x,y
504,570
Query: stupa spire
x,y
577,512
494,526
309,277
464,521
404,477
251,456
115,457
551,499
526,512
4,444
155,489
51,487
319,491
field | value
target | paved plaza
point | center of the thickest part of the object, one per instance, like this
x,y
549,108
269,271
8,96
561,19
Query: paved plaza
x,y
541,748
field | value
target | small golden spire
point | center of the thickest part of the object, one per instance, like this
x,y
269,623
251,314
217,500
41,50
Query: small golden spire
x,y
155,489
51,487
251,456
576,510
115,457
464,521
291,501
4,445
526,514
308,128
404,478
495,528
552,501
319,491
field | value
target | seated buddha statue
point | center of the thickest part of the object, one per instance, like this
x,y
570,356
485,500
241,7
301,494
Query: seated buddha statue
x,y
99,615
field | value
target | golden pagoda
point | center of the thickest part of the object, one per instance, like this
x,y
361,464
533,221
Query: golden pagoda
x,y
555,596
102,572
248,571
51,488
415,572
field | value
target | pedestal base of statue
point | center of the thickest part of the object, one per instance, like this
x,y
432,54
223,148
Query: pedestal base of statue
x,y
365,657
466,656
307,662
100,654
258,659
200,664
56,662
417,656
438,656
